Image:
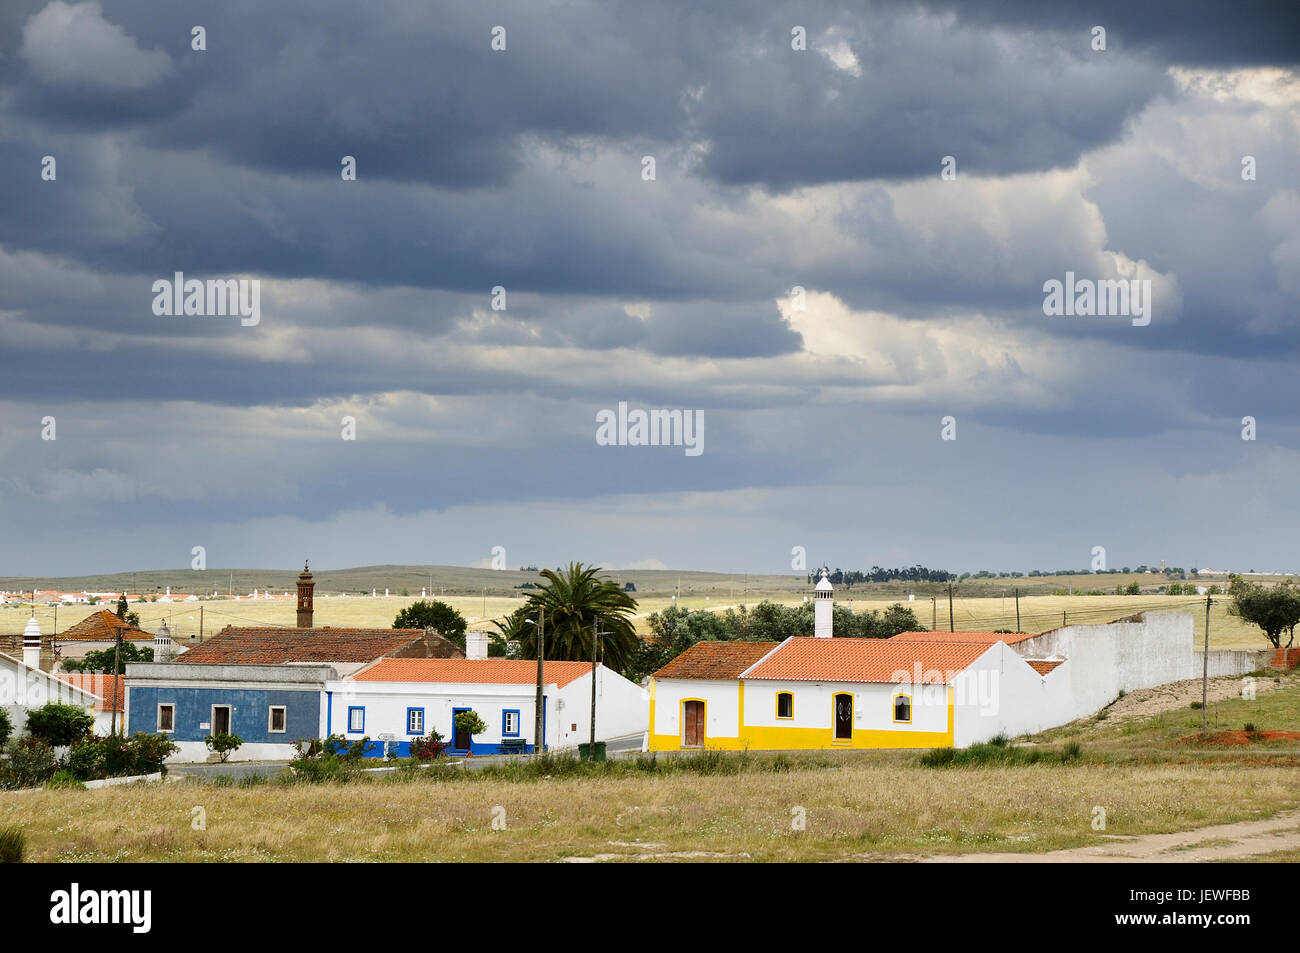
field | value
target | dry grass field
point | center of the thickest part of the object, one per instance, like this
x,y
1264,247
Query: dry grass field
x,y
1142,772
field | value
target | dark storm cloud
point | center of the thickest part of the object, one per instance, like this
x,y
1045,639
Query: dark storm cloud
x,y
1186,32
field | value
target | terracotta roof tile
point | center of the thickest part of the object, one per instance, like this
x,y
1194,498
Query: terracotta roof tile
x,y
867,660
276,646
102,626
101,685
492,671
983,638
715,659
1044,665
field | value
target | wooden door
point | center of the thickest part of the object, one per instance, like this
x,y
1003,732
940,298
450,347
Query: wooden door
x,y
694,718
221,719
843,717
460,739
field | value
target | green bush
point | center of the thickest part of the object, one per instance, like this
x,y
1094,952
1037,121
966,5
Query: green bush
x,y
422,749
59,724
6,727
997,752
29,763
12,842
223,744
114,756
470,723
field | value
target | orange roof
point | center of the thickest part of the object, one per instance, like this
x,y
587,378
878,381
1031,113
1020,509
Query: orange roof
x,y
101,685
490,671
715,659
812,659
272,646
102,626
981,638
1044,665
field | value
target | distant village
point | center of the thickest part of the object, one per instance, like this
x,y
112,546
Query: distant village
x,y
389,691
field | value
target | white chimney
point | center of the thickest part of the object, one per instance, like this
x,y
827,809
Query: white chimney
x,y
476,645
163,648
32,644
823,601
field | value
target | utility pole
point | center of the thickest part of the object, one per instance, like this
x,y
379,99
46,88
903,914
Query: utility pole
x,y
1205,664
200,625
538,741
934,613
595,641
952,627
1017,608
117,650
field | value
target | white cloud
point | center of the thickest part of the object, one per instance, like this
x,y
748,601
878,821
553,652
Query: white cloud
x,y
72,44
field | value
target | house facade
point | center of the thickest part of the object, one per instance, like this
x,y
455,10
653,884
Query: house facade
x,y
397,700
916,689
23,686
268,706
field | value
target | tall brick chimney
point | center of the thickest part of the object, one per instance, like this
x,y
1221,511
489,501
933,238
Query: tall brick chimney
x,y
306,586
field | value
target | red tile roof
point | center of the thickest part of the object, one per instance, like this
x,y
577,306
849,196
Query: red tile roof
x,y
1044,665
101,685
102,626
982,638
272,646
867,660
715,659
490,671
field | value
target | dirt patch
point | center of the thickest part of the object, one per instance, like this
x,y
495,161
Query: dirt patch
x,y
1148,702
1238,841
1236,739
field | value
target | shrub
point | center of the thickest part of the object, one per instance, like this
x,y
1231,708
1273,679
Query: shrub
x,y
997,753
1196,705
114,756
59,724
470,723
12,842
422,749
223,744
29,763
1249,728
6,727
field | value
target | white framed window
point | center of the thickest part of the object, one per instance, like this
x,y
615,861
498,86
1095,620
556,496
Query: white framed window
x,y
356,719
167,718
276,718
510,723
415,721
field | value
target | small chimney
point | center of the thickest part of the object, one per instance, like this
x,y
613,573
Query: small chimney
x,y
306,586
823,602
32,644
164,650
476,645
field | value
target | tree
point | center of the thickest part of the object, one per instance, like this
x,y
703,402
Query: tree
x,y
59,724
125,614
102,659
6,727
223,744
576,600
1274,609
433,613
470,723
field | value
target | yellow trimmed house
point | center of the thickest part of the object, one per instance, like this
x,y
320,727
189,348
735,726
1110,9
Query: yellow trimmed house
x,y
810,693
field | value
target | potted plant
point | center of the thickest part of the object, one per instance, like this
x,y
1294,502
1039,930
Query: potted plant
x,y
470,723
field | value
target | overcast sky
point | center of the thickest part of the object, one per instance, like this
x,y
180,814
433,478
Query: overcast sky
x,y
524,168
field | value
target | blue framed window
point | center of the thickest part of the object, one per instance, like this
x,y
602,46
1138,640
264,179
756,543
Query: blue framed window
x,y
356,719
415,721
510,723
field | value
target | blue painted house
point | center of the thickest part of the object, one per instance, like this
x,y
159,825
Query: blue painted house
x,y
268,706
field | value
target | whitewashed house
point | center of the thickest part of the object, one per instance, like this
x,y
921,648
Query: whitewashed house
x,y
397,700
23,686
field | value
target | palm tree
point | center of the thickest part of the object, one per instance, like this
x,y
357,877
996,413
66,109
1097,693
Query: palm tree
x,y
576,602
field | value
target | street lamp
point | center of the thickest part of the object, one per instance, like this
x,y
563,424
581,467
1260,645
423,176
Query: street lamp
x,y
539,743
